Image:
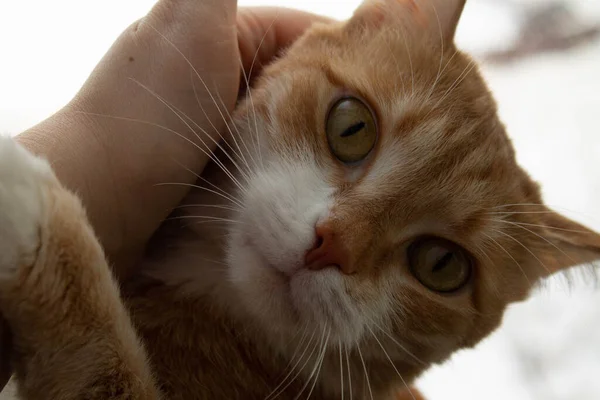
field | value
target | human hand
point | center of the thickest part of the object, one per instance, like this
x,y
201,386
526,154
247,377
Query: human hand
x,y
130,128
121,136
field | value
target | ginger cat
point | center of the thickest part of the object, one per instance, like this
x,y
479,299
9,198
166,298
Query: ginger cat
x,y
367,220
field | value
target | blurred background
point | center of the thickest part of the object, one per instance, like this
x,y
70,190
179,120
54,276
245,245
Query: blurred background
x,y
542,61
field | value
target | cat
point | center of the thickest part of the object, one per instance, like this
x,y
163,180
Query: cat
x,y
365,219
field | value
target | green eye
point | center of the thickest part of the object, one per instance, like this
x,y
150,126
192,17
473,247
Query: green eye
x,y
440,265
351,130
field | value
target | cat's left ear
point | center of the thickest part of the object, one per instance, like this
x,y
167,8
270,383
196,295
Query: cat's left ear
x,y
435,18
563,243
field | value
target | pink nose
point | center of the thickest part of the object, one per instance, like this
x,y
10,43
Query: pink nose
x,y
328,251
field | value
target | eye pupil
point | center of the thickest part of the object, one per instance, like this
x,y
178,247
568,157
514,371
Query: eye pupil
x,y
443,262
353,129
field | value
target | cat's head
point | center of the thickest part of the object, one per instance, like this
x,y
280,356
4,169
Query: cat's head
x,y
384,206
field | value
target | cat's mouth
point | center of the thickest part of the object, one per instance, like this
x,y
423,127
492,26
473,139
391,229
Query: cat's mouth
x,y
286,298
285,270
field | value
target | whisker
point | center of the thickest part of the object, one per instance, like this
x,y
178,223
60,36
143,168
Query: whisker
x,y
206,217
320,366
218,132
222,207
519,212
199,103
472,64
275,393
211,261
211,155
542,205
321,346
250,77
539,236
556,228
391,362
439,73
365,369
141,121
482,251
227,195
510,255
519,205
239,134
253,137
403,348
341,369
191,66
349,371
191,185
293,356
127,119
393,54
410,63
525,247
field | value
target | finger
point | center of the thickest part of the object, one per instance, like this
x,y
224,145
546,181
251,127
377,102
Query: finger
x,y
167,13
263,32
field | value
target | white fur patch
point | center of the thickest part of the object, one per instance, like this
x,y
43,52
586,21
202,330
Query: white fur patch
x,y
23,179
282,204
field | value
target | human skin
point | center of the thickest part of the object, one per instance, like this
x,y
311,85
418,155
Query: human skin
x,y
116,143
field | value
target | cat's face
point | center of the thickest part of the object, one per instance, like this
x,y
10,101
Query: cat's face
x,y
382,205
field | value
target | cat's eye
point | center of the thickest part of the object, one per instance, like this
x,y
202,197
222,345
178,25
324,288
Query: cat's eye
x,y
439,264
351,130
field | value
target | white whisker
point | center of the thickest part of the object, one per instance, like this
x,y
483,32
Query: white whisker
x,y
403,348
238,155
191,185
472,64
222,207
226,194
439,73
320,366
510,255
362,360
250,77
349,371
525,247
391,362
204,217
319,355
239,134
539,236
279,390
410,63
341,369
210,153
192,68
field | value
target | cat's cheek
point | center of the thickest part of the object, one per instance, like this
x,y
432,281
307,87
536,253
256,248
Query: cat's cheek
x,y
262,290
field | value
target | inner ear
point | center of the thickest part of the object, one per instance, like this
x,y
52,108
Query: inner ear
x,y
434,18
565,243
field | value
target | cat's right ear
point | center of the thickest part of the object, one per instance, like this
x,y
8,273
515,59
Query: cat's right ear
x,y
435,18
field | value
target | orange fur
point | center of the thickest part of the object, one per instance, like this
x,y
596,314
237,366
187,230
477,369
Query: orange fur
x,y
217,324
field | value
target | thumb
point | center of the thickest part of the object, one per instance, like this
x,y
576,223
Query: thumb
x,y
263,32
169,13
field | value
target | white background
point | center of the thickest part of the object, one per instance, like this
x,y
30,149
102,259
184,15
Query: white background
x,y
549,347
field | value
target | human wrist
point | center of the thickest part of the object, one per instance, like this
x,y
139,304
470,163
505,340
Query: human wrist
x,y
72,144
